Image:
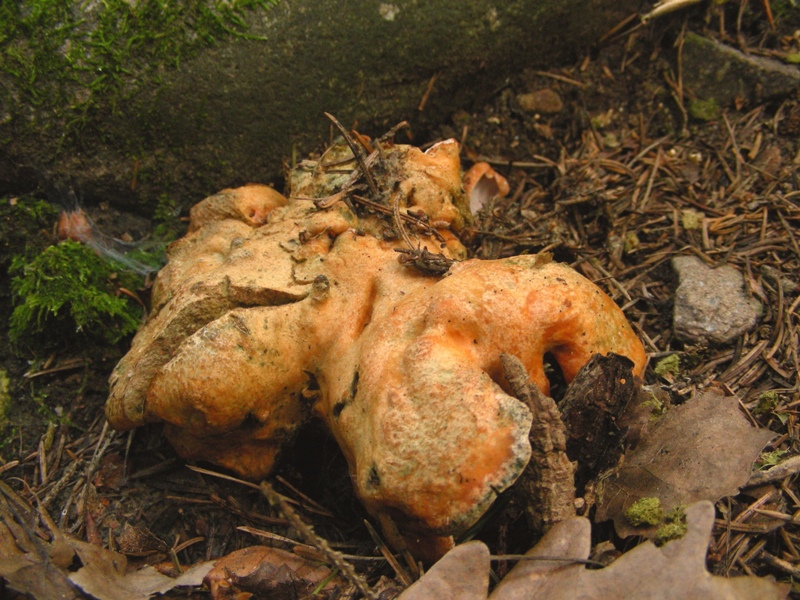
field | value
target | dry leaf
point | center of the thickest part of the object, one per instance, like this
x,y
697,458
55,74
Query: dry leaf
x,y
36,579
463,574
265,572
540,579
47,570
701,450
677,570
138,540
103,575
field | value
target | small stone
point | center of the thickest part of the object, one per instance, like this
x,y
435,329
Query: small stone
x,y
711,304
543,130
544,101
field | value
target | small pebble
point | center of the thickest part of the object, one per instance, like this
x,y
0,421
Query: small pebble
x,y
711,304
544,101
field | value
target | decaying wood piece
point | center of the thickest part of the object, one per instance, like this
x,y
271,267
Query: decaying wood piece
x,y
549,479
591,410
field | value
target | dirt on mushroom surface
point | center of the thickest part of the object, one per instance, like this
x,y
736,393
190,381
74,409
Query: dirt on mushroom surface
x,y
611,172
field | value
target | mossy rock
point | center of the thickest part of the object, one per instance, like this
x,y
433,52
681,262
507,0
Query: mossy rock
x,y
128,100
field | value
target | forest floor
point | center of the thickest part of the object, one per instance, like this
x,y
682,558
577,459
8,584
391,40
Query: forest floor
x,y
616,169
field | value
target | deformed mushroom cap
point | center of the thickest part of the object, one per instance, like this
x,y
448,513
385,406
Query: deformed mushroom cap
x,y
272,311
250,204
430,432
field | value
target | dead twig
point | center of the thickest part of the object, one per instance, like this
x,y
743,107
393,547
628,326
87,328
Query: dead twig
x,y
427,93
373,188
336,558
417,256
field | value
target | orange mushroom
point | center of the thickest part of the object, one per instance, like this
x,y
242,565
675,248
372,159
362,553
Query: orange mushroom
x,y
260,323
482,183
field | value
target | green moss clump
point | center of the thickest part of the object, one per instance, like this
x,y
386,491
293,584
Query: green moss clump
x,y
645,511
674,526
670,365
767,402
770,459
657,407
21,220
691,219
68,287
704,110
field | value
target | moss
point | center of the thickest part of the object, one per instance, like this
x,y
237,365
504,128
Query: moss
x,y
674,526
770,459
67,290
73,58
645,511
767,402
657,407
704,110
786,12
632,242
24,226
691,219
168,224
669,365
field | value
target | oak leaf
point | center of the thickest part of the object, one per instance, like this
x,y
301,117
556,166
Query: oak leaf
x,y
675,571
703,449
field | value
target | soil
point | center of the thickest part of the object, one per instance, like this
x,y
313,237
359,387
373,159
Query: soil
x,y
604,168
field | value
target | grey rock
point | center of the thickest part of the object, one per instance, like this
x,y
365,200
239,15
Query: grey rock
x,y
715,71
711,304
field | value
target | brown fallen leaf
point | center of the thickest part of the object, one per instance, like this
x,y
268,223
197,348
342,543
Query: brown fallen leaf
x,y
104,575
463,574
138,540
266,572
548,579
63,566
675,571
703,449
35,578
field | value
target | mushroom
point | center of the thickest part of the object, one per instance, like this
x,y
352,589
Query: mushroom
x,y
482,183
273,311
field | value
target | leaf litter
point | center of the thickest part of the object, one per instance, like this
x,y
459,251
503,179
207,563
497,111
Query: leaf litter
x,y
676,570
60,566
